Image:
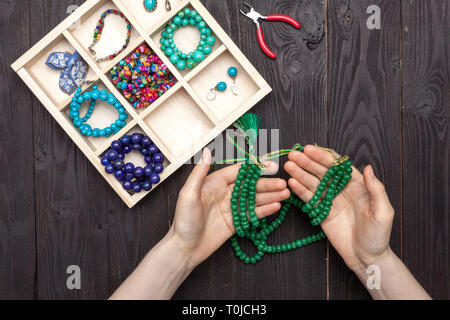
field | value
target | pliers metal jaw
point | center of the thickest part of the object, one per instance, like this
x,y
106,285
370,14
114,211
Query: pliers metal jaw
x,y
254,15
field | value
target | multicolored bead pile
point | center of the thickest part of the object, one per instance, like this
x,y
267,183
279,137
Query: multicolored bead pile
x,y
134,178
98,34
184,18
142,77
248,226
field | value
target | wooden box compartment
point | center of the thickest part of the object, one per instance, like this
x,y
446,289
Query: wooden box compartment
x,y
182,120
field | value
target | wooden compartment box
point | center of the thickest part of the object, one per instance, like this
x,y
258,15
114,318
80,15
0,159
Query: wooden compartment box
x,y
182,121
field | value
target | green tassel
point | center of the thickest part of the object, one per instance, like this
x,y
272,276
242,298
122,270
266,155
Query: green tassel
x,y
249,125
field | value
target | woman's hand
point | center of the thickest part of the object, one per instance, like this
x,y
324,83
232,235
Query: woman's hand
x,y
203,220
360,220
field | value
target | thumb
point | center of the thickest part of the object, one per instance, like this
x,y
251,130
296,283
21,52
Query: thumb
x,y
379,200
198,175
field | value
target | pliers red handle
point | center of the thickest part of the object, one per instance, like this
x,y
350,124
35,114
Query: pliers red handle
x,y
255,16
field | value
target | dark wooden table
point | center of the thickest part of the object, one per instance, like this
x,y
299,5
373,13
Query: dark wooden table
x,y
381,96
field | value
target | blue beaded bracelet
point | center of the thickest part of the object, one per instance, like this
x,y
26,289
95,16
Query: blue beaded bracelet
x,y
134,178
94,95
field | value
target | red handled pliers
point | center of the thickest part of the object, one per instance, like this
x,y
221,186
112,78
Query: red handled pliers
x,y
255,16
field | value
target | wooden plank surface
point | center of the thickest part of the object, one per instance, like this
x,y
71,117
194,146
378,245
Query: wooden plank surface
x,y
343,87
364,109
17,225
426,143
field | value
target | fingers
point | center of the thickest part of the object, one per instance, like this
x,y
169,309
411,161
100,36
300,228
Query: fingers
x,y
300,190
230,172
270,185
303,161
320,156
271,197
305,178
379,200
199,173
267,209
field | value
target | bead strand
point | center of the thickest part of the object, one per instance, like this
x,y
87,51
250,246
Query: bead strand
x,y
99,30
247,225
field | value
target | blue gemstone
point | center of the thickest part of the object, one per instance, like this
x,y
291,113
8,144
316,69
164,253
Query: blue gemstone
x,y
119,174
159,167
129,167
137,187
129,176
158,158
153,149
232,72
221,86
116,145
136,147
127,184
148,159
138,172
109,168
147,185
121,156
105,161
150,5
125,140
154,178
118,164
112,155
144,151
146,141
136,138
127,149
148,170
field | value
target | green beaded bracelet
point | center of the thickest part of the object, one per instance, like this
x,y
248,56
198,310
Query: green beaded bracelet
x,y
184,18
247,225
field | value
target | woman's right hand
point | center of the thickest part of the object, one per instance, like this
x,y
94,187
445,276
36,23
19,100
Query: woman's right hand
x,y
360,220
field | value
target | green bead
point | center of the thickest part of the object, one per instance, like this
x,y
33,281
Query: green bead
x,y
177,20
347,177
184,22
174,58
348,170
191,64
207,50
181,65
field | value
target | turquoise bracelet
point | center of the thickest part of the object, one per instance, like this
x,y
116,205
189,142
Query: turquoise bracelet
x,y
94,95
181,60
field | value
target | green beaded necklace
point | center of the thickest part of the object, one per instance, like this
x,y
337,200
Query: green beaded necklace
x,y
243,203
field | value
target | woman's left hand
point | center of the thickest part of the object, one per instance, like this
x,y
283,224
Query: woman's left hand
x,y
203,220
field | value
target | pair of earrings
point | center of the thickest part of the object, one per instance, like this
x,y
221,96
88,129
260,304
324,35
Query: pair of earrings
x,y
222,86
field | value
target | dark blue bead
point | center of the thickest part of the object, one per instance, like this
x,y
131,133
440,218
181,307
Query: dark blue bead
x,y
148,170
148,159
109,168
136,147
129,167
119,174
136,138
158,168
146,141
116,145
154,178
144,151
137,187
105,161
158,158
121,156
147,185
138,172
112,155
129,176
153,149
118,164
125,140
127,149
127,185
